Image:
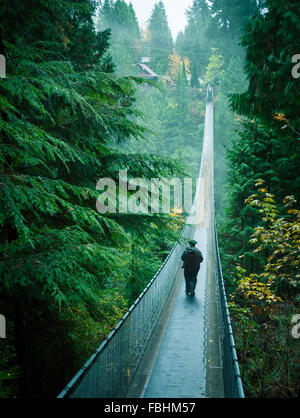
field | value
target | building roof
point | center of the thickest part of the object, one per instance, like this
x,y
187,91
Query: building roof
x,y
147,72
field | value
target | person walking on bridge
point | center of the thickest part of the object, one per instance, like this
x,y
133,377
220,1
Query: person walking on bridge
x,y
192,258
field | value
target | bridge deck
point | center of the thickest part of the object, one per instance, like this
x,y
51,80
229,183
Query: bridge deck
x,y
180,367
183,359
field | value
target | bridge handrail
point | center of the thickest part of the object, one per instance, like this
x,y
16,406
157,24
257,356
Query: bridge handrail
x,y
80,385
233,385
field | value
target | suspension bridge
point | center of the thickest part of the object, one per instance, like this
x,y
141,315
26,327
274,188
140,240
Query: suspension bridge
x,y
170,345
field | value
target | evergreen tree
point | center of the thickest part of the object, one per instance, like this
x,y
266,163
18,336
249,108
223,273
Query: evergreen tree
x,y
266,148
272,99
231,79
64,266
194,76
228,19
271,40
214,69
125,48
272,152
194,43
161,42
232,15
106,14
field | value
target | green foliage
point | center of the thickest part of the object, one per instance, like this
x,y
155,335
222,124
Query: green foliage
x,y
232,15
214,69
161,42
263,149
265,301
9,372
270,41
228,20
125,47
65,268
175,119
194,42
266,147
73,111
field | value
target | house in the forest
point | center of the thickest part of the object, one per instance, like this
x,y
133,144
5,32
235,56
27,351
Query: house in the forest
x,y
146,72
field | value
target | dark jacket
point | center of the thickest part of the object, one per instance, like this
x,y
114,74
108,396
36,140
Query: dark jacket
x,y
191,257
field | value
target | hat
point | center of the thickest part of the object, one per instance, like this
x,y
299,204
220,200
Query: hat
x,y
193,242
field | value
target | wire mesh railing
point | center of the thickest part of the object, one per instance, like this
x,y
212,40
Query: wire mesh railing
x,y
233,386
110,370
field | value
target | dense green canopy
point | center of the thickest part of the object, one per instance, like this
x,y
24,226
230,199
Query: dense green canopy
x,y
63,115
161,42
73,110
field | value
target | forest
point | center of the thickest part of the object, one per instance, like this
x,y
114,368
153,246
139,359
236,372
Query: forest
x,y
75,107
